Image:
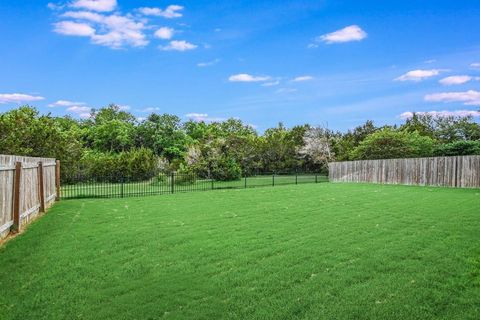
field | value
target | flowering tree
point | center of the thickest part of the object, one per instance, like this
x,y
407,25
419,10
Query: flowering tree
x,y
316,145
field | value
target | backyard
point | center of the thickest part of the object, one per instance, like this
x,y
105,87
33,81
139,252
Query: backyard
x,y
309,251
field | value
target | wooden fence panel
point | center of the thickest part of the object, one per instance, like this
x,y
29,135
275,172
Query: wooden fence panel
x,y
461,171
6,199
29,195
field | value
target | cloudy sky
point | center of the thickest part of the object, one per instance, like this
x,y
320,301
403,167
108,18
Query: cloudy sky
x,y
329,62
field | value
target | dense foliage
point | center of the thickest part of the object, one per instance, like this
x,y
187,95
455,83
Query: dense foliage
x,y
113,143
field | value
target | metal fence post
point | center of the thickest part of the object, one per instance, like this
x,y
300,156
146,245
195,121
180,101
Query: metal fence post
x,y
211,178
316,180
57,180
273,179
245,181
173,182
122,181
296,177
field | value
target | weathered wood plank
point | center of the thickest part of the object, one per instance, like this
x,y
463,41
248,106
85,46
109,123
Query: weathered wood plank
x,y
27,204
461,171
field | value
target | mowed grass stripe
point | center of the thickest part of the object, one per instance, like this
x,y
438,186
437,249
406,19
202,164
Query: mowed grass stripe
x,y
343,251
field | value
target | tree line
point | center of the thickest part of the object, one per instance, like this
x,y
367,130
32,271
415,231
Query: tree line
x,y
113,143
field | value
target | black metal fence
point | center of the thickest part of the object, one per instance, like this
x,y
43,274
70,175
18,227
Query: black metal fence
x,y
119,186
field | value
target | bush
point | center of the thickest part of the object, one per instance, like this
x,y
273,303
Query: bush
x,y
134,165
185,175
160,179
389,144
226,169
138,164
458,148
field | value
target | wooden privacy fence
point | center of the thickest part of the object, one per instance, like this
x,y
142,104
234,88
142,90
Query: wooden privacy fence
x,y
28,186
460,171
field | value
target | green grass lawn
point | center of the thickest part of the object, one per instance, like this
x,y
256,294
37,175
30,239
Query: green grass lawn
x,y
312,251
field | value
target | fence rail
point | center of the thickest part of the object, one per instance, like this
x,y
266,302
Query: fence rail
x,y
459,171
28,186
111,187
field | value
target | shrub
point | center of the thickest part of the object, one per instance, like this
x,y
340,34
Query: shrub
x,y
134,165
458,148
185,175
226,169
389,143
160,179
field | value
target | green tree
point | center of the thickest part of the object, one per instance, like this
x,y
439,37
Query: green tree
x,y
443,129
458,148
343,144
389,143
278,148
110,130
24,132
164,134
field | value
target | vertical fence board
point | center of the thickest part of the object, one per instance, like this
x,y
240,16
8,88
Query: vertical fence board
x,y
28,202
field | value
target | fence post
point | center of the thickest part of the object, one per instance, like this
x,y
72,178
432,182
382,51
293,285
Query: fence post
x,y
173,182
296,177
122,181
316,180
273,179
245,181
41,191
212,182
57,180
16,196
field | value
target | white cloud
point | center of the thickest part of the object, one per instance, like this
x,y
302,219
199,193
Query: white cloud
x,y
18,98
442,114
470,97
418,75
65,103
124,107
208,63
475,65
117,30
104,25
95,5
453,80
303,78
347,34
81,111
202,117
271,84
84,15
172,11
245,77
121,31
164,33
53,6
178,45
150,109
78,109
70,28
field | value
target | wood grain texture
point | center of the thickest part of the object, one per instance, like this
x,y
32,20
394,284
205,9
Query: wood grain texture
x,y
29,201
459,171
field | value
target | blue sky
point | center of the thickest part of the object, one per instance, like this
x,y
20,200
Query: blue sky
x,y
335,63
